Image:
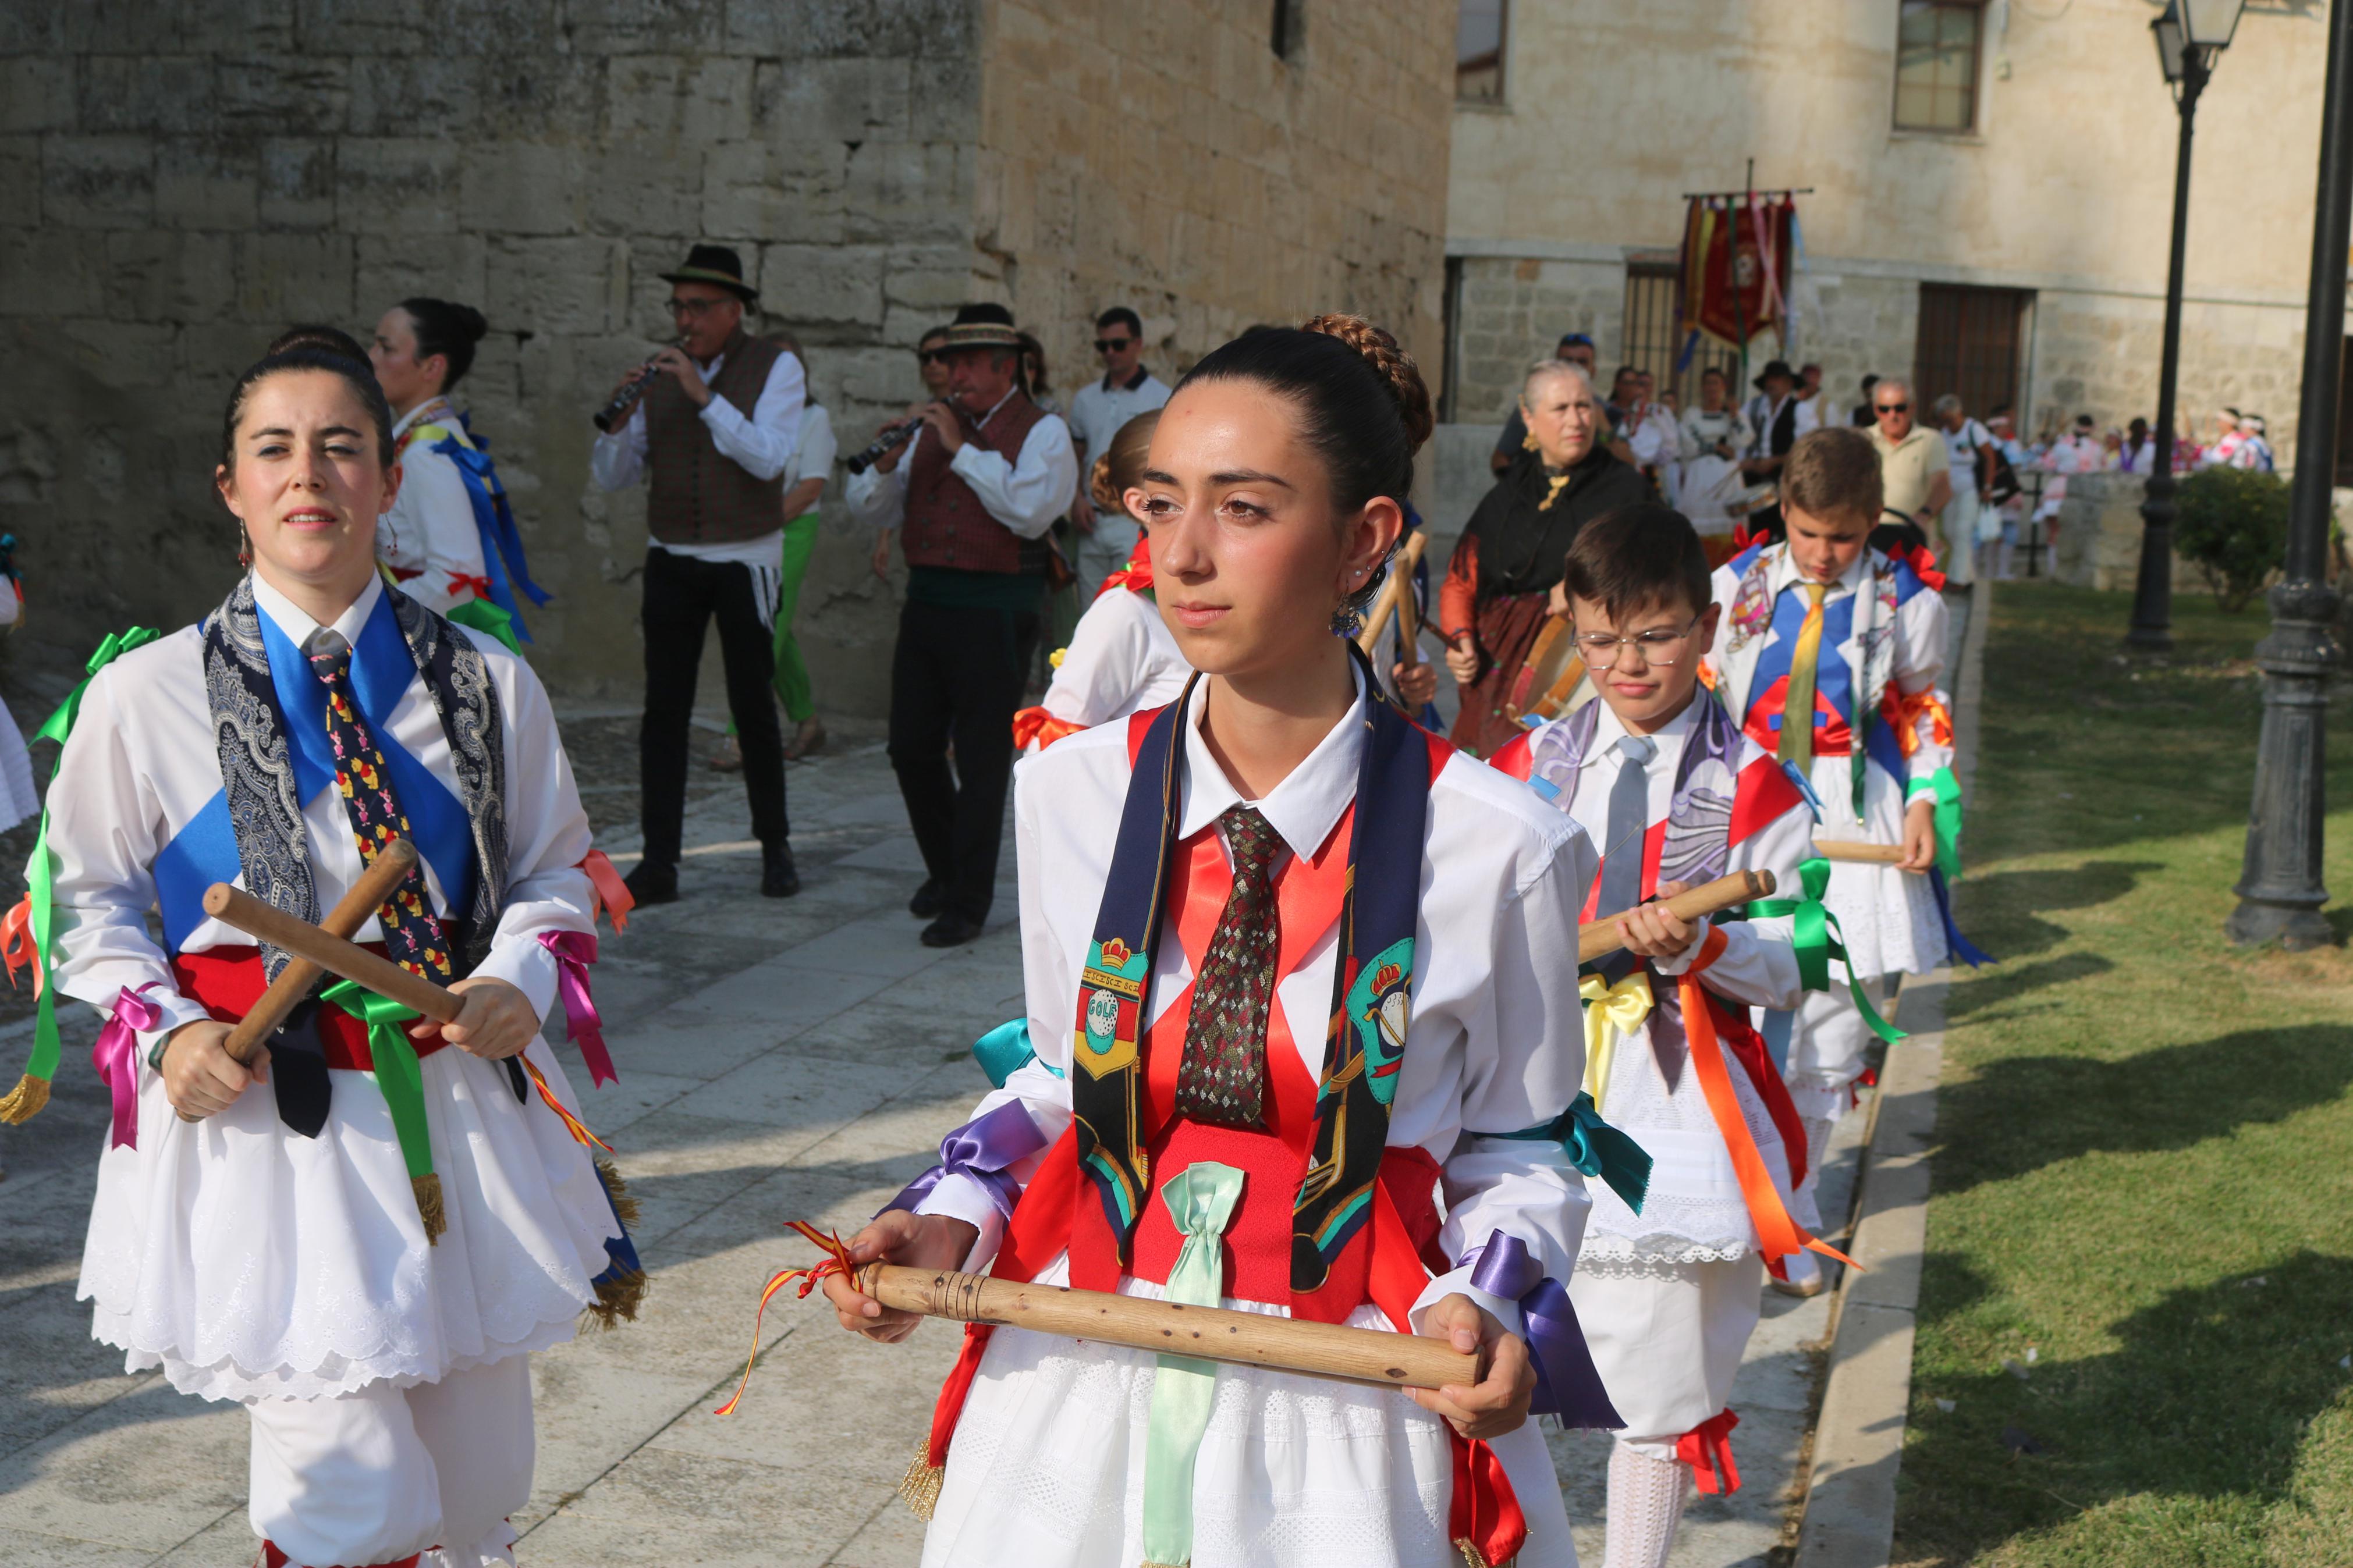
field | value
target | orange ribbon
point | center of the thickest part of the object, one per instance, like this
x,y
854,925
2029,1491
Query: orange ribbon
x,y
1903,715
1037,725
18,948
607,893
1777,1236
835,1261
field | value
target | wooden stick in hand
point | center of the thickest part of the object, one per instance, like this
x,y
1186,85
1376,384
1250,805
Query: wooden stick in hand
x,y
1860,853
1397,591
1598,939
1211,1333
332,953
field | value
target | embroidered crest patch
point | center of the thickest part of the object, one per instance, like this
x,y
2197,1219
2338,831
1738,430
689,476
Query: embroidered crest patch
x,y
1112,995
1379,1006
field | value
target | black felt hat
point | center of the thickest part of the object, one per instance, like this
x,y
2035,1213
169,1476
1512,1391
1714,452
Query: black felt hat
x,y
716,265
1780,367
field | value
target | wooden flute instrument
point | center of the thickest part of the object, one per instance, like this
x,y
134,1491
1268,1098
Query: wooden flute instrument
x,y
375,884
1211,1333
1859,852
1598,939
232,906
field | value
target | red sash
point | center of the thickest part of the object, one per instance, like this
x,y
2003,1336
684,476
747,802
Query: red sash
x,y
228,981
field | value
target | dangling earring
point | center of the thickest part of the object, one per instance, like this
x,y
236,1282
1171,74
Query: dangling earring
x,y
1346,619
244,546
1528,442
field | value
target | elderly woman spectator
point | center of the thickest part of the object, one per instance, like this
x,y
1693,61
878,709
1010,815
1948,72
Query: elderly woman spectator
x,y
1493,600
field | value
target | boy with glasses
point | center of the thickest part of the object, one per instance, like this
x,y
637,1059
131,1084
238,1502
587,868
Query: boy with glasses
x,y
1663,781
1829,657
1106,539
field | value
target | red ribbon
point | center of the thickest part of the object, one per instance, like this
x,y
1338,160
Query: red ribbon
x,y
477,586
1485,1514
18,948
607,893
1037,725
835,1261
1137,575
116,1058
574,950
1707,1449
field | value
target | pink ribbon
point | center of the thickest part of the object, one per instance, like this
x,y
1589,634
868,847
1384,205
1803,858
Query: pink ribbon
x,y
574,950
116,1058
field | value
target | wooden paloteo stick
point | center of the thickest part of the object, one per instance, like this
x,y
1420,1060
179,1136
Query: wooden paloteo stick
x,y
1397,591
1598,939
332,953
1211,1333
1860,853
375,884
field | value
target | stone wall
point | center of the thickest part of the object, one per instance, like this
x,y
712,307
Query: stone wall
x,y
1165,158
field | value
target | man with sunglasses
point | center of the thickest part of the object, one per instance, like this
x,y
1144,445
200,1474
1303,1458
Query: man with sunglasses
x,y
1106,539
1915,465
712,435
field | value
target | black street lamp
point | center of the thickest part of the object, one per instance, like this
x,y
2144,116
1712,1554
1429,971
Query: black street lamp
x,y
2189,35
2280,892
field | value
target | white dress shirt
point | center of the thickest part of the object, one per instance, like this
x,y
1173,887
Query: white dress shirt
x,y
1494,1044
430,531
1026,496
763,446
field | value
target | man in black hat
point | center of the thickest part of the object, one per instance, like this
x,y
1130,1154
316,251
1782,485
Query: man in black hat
x,y
712,433
1779,417
971,494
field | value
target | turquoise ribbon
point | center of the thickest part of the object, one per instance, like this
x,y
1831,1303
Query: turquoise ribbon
x,y
1947,791
1201,1200
1006,1050
1814,932
1596,1149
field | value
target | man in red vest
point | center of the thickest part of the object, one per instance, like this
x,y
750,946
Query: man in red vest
x,y
713,432
973,495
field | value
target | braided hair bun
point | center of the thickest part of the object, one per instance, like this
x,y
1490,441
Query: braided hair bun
x,y
1393,364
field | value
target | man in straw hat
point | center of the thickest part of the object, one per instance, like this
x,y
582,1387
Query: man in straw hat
x,y
712,433
973,494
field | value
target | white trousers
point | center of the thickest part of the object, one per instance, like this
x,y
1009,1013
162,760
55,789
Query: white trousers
x,y
383,1473
1827,1042
1667,1338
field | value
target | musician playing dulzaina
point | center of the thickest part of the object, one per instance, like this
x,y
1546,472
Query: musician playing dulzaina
x,y
1291,963
361,1238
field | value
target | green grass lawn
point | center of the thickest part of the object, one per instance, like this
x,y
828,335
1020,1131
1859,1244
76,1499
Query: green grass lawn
x,y
2144,1177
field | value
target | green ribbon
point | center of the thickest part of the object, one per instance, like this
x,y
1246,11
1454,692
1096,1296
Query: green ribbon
x,y
485,616
1201,1200
1947,790
38,875
1814,932
1596,1149
397,1072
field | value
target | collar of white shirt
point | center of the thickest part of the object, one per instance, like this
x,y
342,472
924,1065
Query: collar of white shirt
x,y
1669,736
298,625
1786,573
1303,807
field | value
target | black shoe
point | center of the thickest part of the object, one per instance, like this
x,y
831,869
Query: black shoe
x,y
653,882
951,930
929,900
778,878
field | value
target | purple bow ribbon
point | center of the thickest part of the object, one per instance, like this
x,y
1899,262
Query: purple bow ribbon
x,y
1567,1384
574,950
983,1150
116,1058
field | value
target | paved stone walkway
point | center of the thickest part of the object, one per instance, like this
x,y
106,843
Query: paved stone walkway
x,y
779,1061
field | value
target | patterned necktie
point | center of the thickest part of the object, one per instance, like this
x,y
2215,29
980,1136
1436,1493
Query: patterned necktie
x,y
412,936
1223,1075
1798,701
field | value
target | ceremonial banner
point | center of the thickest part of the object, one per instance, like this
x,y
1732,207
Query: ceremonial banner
x,y
1737,257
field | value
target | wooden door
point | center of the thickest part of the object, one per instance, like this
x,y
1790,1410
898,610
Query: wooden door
x,y
1972,341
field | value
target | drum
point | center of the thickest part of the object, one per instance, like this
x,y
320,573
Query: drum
x,y
1551,681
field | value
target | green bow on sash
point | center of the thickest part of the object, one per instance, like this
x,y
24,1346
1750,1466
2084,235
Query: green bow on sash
x,y
1815,933
401,1077
486,616
32,1092
1201,1200
1947,791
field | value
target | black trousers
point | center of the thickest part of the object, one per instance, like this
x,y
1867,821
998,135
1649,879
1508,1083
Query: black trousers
x,y
683,595
957,674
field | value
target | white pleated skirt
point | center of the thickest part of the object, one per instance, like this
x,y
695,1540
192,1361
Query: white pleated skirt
x,y
1889,917
249,1262
1047,1466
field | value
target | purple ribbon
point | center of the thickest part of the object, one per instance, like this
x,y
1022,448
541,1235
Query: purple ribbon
x,y
574,950
1567,1384
983,1149
116,1058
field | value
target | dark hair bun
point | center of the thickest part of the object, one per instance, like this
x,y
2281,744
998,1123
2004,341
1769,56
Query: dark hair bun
x,y
447,329
1393,364
470,320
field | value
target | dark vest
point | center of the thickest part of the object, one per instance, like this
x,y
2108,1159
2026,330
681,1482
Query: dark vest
x,y
700,495
946,524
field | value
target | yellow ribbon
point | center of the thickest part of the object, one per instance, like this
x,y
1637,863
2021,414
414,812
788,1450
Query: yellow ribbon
x,y
1610,1010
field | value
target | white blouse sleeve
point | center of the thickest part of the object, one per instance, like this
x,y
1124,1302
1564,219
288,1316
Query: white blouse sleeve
x,y
432,522
1101,671
1921,626
1522,1072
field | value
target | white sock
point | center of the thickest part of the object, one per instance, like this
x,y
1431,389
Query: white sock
x,y
1646,1503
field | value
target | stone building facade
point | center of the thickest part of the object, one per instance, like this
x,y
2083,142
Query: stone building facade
x,y
2059,192
179,179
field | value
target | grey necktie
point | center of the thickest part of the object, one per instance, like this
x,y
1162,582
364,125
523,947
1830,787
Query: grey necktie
x,y
1624,842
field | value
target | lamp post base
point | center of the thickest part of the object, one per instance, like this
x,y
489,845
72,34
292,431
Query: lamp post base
x,y
2280,891
2298,928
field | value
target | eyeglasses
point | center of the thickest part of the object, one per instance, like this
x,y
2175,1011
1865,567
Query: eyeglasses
x,y
698,308
1894,408
1657,648
1113,346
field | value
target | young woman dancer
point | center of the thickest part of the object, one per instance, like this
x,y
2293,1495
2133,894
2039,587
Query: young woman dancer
x,y
1349,993
361,1236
